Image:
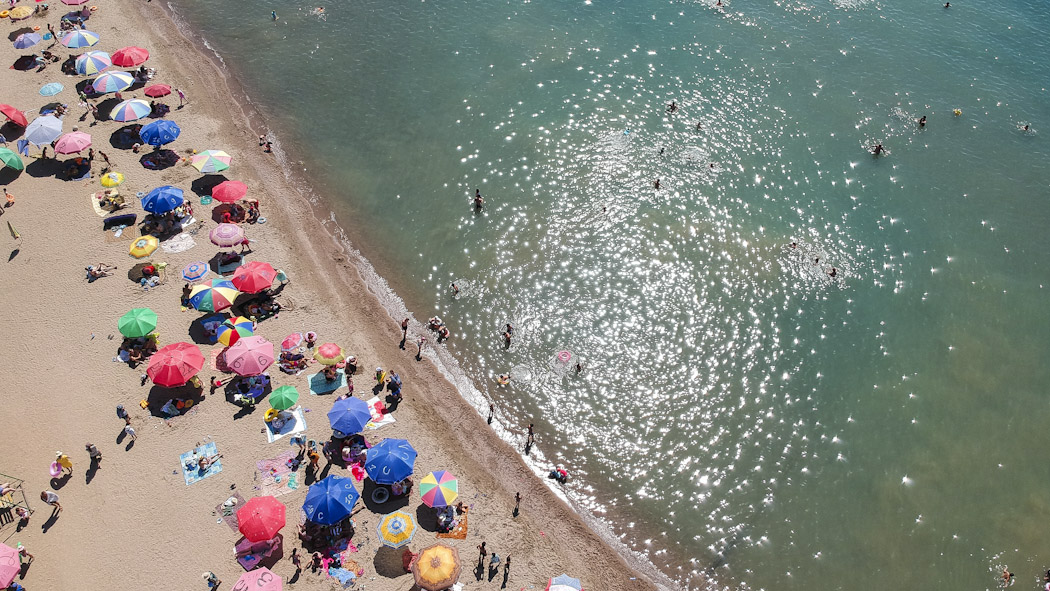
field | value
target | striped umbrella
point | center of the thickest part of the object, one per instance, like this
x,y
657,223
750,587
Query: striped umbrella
x,y
210,161
129,57
226,235
232,330
253,277
396,529
195,271
44,130
439,489
11,160
217,294
81,38
143,247
157,90
93,62
175,364
329,354
159,132
51,89
292,342
162,199
230,191
112,81
130,110
284,397
73,142
27,40
137,323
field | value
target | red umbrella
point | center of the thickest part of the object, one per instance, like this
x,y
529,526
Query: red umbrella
x,y
260,518
175,364
129,56
230,191
157,90
253,277
14,115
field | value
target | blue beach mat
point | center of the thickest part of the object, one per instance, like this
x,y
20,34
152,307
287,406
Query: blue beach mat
x,y
342,575
319,385
194,474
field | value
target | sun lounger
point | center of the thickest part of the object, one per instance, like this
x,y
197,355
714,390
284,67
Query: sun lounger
x,y
123,219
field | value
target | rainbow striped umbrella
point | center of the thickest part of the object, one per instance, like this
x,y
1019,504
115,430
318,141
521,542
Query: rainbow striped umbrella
x,y
130,110
195,271
226,235
439,489
93,62
217,294
112,81
396,529
233,329
329,354
211,161
81,38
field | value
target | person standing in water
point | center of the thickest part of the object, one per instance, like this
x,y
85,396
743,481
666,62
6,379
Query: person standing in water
x,y
479,202
922,121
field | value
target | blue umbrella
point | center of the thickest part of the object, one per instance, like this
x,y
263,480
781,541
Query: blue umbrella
x,y
390,461
162,199
349,415
159,132
27,40
51,89
330,501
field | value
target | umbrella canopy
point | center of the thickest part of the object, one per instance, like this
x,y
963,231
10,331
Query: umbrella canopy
x,y
73,142
329,354
27,40
436,568
159,132
144,246
232,330
129,57
439,489
11,160
229,191
250,356
112,179
44,130
390,461
253,277
396,529
162,199
330,500
112,81
174,364
564,583
138,322
20,13
292,342
226,235
284,397
260,579
51,89
217,294
130,110
92,62
157,90
195,271
211,161
10,565
17,117
349,415
260,518
80,38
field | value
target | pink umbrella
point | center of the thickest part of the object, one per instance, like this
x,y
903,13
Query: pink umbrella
x,y
292,342
129,57
230,191
226,235
73,142
10,565
250,356
260,579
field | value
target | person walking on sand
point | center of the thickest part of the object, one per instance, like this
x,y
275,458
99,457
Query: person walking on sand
x,y
419,346
517,507
297,561
404,329
482,553
182,97
94,454
212,579
129,430
531,437
51,498
23,553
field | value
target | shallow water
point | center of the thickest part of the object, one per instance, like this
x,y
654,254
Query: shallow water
x,y
741,416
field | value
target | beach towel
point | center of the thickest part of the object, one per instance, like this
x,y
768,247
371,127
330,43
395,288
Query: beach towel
x,y
319,385
229,268
23,147
345,577
295,425
228,513
379,418
218,361
180,243
459,532
275,475
194,474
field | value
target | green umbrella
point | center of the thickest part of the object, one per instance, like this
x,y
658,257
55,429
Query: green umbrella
x,y
284,397
11,160
137,323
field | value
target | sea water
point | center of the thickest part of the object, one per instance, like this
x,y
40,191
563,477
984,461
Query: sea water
x,y
743,419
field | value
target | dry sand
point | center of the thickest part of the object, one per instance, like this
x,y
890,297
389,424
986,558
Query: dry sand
x,y
136,524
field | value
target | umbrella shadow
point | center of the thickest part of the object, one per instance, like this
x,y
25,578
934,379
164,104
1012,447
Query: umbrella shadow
x,y
14,34
159,159
213,262
8,175
159,396
388,562
391,504
427,518
25,62
204,185
135,272
218,211
44,167
196,330
12,131
125,137
105,106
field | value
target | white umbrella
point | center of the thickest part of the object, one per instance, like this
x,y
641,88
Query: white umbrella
x,y
44,130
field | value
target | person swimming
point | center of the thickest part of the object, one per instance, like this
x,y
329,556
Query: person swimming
x,y
671,108
877,149
273,14
922,121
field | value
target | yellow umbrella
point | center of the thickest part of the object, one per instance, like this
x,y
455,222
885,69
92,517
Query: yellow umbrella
x,y
144,246
396,529
20,13
436,568
112,179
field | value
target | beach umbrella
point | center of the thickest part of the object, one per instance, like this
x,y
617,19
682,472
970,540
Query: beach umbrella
x,y
17,117
329,354
211,161
439,489
138,322
44,130
564,583
130,110
217,294
250,356
195,271
226,235
330,501
11,159
144,246
261,518
260,579
390,461
112,81
231,331
112,179
175,364
253,277
159,132
349,415
10,565
162,199
19,13
436,568
27,40
230,191
284,397
128,57
92,62
80,38
157,90
292,342
396,529
73,142
51,89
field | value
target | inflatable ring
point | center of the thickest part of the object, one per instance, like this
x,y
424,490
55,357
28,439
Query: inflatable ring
x,y
55,470
93,8
36,28
5,13
270,415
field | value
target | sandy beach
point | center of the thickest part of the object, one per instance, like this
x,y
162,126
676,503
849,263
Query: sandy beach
x,y
135,523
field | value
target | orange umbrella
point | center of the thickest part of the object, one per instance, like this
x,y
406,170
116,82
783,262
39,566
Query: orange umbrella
x,y
436,568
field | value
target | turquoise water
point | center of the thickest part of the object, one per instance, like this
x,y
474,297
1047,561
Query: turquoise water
x,y
742,417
